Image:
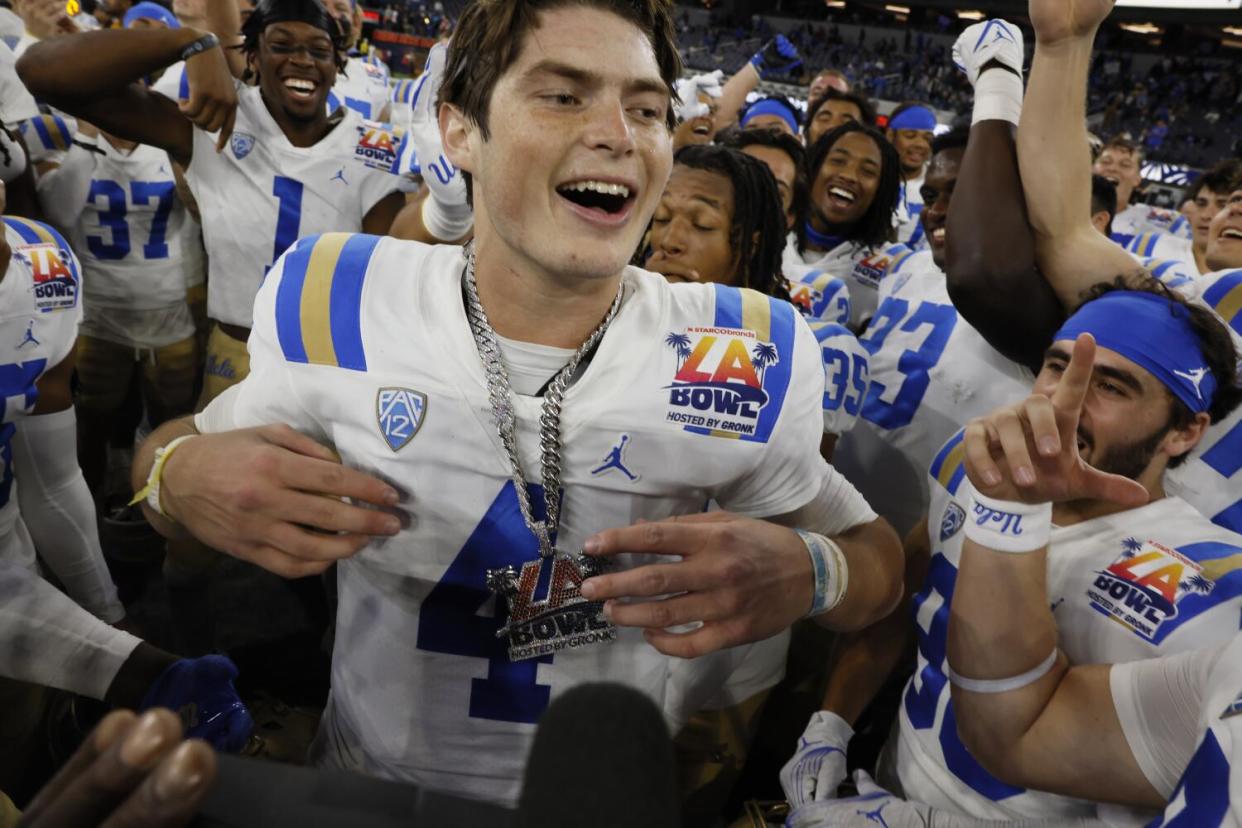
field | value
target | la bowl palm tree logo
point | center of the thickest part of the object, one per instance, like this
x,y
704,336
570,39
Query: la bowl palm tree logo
x,y
681,344
765,354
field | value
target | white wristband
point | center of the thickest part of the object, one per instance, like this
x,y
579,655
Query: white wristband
x,y
832,574
998,97
448,223
1004,685
1008,526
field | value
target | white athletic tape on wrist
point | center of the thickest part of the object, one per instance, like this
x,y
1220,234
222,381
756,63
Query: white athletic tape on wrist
x,y
1007,526
1004,685
446,223
998,97
832,574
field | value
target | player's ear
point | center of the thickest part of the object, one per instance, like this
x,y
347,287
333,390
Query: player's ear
x,y
1182,440
459,136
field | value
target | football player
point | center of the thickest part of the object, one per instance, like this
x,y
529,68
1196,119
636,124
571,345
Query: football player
x,y
929,368
44,501
1121,162
826,80
854,185
362,84
1208,196
442,370
782,154
834,108
775,112
911,128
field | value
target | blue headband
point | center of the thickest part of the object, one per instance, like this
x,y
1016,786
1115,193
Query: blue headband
x,y
1153,332
916,117
151,11
768,106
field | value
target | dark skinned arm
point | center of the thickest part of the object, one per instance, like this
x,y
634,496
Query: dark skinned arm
x,y
95,75
380,217
991,271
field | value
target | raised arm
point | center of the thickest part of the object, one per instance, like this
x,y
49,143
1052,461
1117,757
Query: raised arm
x,y
94,76
990,265
1054,155
224,21
1028,717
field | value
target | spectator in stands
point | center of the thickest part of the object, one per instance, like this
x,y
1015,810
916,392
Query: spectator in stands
x,y
783,156
835,108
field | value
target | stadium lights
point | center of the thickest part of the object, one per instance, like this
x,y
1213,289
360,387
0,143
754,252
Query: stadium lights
x,y
835,4
1142,28
971,14
1216,5
898,9
1233,30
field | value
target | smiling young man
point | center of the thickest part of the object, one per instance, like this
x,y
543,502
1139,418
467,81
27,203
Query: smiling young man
x,y
1121,162
1209,195
854,176
465,376
911,128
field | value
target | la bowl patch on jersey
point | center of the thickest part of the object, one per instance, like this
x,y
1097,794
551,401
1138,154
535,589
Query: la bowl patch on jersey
x,y
399,412
55,287
1141,589
241,143
378,146
718,384
871,269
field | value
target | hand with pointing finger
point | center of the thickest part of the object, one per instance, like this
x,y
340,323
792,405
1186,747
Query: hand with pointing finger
x,y
1028,452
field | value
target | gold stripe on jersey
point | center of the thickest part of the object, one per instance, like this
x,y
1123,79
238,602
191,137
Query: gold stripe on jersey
x,y
317,299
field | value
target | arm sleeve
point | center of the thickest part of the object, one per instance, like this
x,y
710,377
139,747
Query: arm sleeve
x,y
790,473
47,639
270,393
16,103
1158,702
58,510
63,191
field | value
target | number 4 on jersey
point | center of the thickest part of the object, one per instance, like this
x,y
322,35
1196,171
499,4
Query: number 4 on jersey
x,y
449,621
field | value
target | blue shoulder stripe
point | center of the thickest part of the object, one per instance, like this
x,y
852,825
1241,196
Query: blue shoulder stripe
x,y
319,300
1151,243
948,466
827,330
183,88
1230,517
1225,297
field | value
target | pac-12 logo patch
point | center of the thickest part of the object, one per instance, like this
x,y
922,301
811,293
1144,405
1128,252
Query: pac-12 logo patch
x,y
1142,588
718,384
241,143
952,521
400,413
55,285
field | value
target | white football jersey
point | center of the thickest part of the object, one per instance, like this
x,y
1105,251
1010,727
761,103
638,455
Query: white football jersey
x,y
696,393
860,267
261,194
820,296
135,239
48,136
1146,218
1141,583
1164,247
363,87
930,372
1209,792
401,99
39,315
1211,479
909,208
173,83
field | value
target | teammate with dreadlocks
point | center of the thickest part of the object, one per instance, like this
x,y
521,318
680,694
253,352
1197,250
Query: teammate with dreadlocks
x,y
265,163
855,178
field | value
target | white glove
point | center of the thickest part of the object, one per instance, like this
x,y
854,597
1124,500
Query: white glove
x,y
989,40
817,768
875,806
446,215
688,90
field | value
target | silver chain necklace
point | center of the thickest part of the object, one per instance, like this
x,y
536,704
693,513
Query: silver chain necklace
x,y
500,395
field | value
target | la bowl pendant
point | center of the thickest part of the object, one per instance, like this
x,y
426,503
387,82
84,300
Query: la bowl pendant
x,y
548,613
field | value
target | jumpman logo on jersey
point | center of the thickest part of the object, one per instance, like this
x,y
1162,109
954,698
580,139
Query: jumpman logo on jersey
x,y
615,461
1196,376
340,175
29,338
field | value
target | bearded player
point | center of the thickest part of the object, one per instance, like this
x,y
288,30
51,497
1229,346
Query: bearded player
x,y
410,361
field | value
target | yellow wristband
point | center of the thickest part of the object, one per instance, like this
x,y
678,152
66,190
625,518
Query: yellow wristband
x,y
151,492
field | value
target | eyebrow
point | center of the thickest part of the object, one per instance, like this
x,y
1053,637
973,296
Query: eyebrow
x,y
1120,375
586,77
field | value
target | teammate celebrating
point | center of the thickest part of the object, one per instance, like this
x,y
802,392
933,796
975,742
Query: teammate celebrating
x,y
1208,196
854,176
1121,162
362,84
834,108
426,366
911,128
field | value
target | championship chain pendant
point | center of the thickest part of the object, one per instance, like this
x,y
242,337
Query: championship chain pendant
x,y
563,619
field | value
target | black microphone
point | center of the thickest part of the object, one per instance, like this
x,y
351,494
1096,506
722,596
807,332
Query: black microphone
x,y
602,757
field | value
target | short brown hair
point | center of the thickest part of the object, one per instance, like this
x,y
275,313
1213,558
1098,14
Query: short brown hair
x,y
489,34
1124,144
